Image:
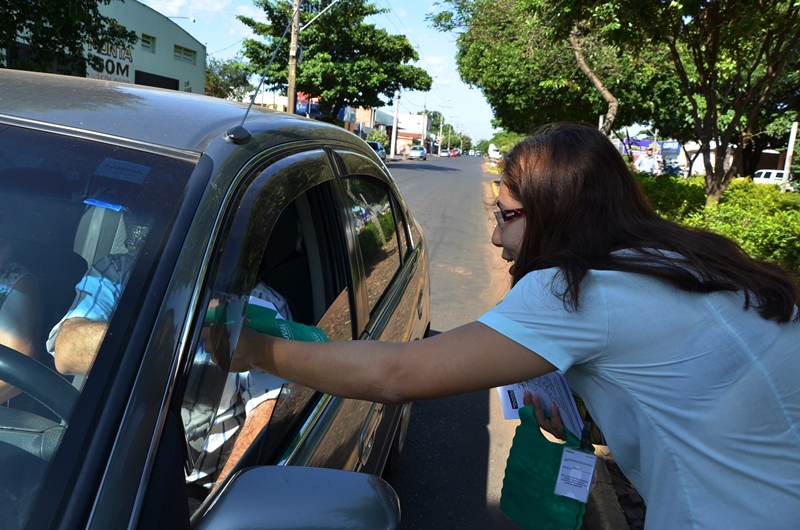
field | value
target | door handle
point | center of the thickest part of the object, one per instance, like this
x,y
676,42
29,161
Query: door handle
x,y
366,439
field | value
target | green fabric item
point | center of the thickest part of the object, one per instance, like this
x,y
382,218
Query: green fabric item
x,y
264,320
528,496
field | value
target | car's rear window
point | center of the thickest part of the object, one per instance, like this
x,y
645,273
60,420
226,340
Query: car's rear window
x,y
74,215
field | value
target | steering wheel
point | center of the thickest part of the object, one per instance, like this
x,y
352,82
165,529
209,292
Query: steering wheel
x,y
38,381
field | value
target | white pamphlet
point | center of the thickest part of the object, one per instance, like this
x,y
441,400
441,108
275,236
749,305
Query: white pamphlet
x,y
575,475
550,388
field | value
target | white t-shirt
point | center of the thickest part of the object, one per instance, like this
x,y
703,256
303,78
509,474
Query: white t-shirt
x,y
699,400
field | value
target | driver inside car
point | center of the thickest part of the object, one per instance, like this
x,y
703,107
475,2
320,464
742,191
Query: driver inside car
x,y
20,310
247,400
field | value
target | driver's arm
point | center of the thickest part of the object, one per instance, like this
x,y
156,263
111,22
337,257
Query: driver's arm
x,y
75,340
76,345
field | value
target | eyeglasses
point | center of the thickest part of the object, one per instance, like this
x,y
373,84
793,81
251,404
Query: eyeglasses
x,y
506,216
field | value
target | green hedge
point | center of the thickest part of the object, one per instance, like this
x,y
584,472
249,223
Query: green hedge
x,y
387,225
672,197
371,243
761,219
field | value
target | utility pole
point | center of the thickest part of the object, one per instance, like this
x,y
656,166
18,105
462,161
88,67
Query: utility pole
x,y
393,148
441,123
291,94
424,121
787,164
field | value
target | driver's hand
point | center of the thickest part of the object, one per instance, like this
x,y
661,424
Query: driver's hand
x,y
550,424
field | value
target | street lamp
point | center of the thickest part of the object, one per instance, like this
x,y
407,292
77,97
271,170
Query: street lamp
x,y
190,19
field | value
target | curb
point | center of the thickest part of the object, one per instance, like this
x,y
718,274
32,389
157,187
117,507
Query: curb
x,y
603,511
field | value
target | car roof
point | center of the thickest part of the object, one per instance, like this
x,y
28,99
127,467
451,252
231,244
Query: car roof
x,y
149,115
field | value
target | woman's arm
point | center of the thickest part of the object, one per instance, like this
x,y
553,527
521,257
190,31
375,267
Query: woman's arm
x,y
471,357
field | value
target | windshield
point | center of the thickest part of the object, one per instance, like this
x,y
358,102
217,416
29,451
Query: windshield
x,y
74,215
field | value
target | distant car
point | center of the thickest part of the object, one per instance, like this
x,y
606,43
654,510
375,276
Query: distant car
x,y
418,152
379,150
444,152
472,152
772,176
494,152
454,152
478,153
201,204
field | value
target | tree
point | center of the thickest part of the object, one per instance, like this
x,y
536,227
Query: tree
x,y
531,75
345,61
380,136
728,56
227,79
45,36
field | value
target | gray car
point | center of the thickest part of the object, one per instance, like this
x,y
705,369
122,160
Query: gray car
x,y
378,148
203,204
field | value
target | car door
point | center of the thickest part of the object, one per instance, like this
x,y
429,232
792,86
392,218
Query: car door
x,y
393,297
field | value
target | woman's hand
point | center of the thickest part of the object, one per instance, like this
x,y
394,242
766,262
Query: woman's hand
x,y
253,349
551,424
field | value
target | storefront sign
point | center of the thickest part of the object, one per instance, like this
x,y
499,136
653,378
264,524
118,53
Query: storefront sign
x,y
116,65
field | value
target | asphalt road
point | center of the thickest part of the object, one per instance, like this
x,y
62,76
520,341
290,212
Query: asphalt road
x,y
453,462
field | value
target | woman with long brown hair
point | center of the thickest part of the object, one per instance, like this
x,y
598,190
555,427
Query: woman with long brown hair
x,y
683,348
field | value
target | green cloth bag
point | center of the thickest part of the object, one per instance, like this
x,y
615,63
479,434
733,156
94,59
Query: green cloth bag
x,y
265,320
528,496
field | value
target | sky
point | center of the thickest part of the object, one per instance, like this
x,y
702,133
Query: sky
x,y
215,25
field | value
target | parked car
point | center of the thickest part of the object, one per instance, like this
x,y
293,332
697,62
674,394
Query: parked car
x,y
444,152
494,152
772,176
454,152
203,204
417,152
378,148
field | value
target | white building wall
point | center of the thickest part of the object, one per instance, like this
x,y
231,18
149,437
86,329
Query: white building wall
x,y
186,72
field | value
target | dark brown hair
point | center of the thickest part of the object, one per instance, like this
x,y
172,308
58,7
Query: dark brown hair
x,y
582,204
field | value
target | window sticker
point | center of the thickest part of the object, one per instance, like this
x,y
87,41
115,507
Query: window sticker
x,y
121,170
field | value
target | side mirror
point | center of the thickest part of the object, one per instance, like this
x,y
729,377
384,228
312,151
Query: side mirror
x,y
294,498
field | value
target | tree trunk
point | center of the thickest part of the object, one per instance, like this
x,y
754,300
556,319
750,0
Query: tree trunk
x,y
576,43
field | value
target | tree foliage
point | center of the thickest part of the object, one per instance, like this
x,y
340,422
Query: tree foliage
x,y
227,79
380,136
55,33
345,61
530,75
726,54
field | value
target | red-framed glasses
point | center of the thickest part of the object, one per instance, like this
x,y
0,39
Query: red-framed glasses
x,y
505,216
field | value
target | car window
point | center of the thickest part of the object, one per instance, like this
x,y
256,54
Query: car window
x,y
75,215
373,217
281,247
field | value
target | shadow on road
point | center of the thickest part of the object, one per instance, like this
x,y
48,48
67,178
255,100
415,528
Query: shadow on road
x,y
421,165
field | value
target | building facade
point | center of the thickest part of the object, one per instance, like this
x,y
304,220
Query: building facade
x,y
165,55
